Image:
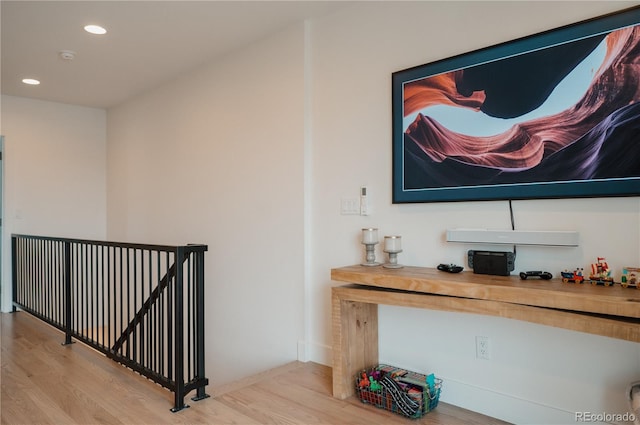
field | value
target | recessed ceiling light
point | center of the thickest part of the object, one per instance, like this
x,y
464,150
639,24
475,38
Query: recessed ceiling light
x,y
95,29
30,81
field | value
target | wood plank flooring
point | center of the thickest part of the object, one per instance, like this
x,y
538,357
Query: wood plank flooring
x,y
44,382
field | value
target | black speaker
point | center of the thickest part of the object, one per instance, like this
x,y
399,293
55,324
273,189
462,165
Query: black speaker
x,y
491,262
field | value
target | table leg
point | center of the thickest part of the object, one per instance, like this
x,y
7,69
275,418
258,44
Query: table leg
x,y
355,341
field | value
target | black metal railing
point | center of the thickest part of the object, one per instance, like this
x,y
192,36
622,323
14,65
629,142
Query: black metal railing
x,y
141,305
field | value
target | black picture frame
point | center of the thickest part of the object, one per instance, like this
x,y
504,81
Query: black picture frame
x,y
551,115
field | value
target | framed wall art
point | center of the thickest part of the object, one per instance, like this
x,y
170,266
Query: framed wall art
x,y
552,115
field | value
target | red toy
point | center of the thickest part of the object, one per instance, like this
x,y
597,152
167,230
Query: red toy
x,y
364,382
574,277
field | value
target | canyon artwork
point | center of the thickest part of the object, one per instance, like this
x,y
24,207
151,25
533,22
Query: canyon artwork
x,y
565,113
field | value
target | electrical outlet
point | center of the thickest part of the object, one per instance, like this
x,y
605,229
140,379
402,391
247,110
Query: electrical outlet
x,y
483,348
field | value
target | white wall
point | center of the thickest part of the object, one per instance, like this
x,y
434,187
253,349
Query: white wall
x,y
54,173
239,153
216,157
538,374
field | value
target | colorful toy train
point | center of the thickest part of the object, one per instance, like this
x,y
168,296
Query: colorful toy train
x,y
601,275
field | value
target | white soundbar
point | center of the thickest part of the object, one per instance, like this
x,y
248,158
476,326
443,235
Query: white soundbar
x,y
514,237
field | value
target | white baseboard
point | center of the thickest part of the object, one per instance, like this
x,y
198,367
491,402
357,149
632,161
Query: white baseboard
x,y
318,353
509,408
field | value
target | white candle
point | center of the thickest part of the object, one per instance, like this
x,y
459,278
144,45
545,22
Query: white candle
x,y
369,236
393,243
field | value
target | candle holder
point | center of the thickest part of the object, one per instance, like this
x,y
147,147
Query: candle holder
x,y
369,240
393,246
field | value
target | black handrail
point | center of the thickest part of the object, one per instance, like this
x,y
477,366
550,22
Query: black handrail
x,y
141,305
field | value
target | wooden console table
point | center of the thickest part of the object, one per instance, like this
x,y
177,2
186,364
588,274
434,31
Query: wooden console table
x,y
608,311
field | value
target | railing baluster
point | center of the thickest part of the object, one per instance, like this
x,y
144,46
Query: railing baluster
x,y
28,271
54,289
170,327
189,323
135,301
108,303
31,272
121,324
149,315
46,307
156,323
34,285
38,285
45,284
58,280
67,292
58,272
163,309
39,292
94,301
91,265
14,276
129,306
34,289
85,285
101,303
53,283
152,312
76,286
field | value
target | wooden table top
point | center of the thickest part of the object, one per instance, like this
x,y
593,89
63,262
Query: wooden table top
x,y
612,300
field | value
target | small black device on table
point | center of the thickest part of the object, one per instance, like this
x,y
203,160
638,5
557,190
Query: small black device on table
x,y
451,268
536,273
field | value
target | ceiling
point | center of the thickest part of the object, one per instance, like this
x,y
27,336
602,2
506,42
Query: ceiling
x,y
147,43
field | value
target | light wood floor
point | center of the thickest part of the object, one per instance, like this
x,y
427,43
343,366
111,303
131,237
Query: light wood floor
x,y
44,382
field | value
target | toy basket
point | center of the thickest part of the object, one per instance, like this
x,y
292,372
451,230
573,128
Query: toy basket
x,y
407,393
